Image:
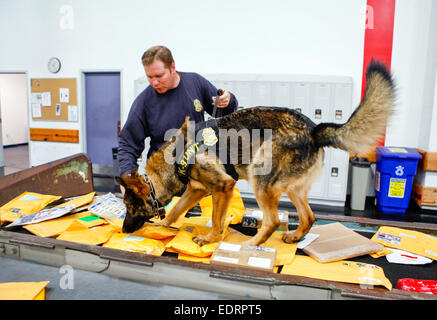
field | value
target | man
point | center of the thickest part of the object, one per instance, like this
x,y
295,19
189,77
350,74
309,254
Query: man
x,y
163,105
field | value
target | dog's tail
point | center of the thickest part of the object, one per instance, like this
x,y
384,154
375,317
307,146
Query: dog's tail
x,y
368,122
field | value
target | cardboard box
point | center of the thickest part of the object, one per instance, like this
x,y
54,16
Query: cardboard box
x,y
337,242
425,196
249,257
254,218
428,161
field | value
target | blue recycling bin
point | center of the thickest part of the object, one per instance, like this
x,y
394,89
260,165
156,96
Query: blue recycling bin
x,y
395,171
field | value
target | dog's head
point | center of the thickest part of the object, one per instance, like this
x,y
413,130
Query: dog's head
x,y
139,204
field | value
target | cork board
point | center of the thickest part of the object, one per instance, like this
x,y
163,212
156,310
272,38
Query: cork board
x,y
54,99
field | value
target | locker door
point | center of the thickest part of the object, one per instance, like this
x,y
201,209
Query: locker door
x,y
337,174
341,109
339,162
243,92
320,108
262,94
302,98
318,189
281,96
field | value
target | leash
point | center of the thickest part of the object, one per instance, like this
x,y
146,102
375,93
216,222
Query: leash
x,y
158,209
219,93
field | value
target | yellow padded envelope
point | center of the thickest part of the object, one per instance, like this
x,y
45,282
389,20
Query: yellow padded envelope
x,y
52,228
407,240
128,242
157,232
183,241
23,290
25,204
342,271
236,207
77,232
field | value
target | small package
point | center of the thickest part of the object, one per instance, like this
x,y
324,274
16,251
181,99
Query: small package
x,y
336,242
254,218
108,206
250,257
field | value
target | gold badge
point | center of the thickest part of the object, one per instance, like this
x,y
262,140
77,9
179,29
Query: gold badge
x,y
197,105
209,137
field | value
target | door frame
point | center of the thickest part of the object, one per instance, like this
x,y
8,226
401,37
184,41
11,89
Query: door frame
x,y
26,73
83,72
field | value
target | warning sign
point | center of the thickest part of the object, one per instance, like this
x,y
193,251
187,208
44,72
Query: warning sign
x,y
397,188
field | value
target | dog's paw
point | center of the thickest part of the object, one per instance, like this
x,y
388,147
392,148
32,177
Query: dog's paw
x,y
163,223
201,240
291,237
248,243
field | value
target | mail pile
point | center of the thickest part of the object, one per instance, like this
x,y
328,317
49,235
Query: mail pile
x,y
324,253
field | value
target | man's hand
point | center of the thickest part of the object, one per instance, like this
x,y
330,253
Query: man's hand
x,y
224,99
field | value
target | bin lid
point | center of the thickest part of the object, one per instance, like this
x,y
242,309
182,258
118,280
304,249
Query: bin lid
x,y
360,162
398,152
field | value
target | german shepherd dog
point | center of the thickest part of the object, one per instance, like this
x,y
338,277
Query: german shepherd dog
x,y
295,156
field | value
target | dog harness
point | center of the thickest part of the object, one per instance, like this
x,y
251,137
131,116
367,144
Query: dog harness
x,y
210,133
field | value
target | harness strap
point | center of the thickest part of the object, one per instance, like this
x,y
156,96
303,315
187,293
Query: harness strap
x,y
185,160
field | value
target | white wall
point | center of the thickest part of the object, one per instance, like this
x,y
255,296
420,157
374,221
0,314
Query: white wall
x,y
13,99
414,63
245,36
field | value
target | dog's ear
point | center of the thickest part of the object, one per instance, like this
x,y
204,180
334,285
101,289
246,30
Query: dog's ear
x,y
135,182
120,181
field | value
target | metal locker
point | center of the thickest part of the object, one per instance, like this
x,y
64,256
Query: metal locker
x,y
318,189
337,174
321,103
341,108
243,92
301,95
281,94
262,94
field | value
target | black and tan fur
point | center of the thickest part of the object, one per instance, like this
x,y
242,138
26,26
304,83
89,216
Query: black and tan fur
x,y
297,161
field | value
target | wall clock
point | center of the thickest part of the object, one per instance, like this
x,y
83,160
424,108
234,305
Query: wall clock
x,y
54,65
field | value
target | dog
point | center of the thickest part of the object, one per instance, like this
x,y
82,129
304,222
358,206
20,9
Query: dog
x,y
293,152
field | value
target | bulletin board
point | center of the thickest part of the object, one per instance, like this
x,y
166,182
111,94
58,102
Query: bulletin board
x,y
54,99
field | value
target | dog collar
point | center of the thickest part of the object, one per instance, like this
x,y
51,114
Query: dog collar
x,y
158,209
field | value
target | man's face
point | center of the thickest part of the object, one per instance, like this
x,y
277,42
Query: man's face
x,y
160,78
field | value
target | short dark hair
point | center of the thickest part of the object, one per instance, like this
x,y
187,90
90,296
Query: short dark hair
x,y
157,52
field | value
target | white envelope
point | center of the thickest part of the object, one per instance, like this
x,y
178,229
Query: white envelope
x,y
405,257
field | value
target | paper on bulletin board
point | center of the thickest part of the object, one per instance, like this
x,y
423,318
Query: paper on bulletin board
x,y
64,95
36,110
46,100
72,113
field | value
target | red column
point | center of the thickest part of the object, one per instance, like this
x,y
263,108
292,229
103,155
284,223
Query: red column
x,y
378,39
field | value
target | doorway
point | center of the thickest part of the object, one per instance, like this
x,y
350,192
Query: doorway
x,y
102,119
14,125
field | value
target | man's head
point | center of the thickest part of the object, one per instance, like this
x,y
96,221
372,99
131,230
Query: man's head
x,y
160,68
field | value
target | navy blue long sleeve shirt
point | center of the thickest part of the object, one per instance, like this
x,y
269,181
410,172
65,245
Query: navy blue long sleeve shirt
x,y
152,114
